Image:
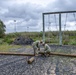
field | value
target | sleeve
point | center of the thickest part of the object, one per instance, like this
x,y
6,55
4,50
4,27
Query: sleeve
x,y
39,46
45,48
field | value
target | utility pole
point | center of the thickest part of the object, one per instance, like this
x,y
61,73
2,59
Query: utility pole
x,y
27,29
14,25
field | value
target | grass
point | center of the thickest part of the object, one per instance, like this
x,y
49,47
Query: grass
x,y
6,47
28,46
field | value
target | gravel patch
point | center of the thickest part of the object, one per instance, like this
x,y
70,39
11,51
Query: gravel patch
x,y
53,65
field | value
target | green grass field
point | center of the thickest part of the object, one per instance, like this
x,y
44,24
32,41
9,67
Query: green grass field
x,y
7,47
69,38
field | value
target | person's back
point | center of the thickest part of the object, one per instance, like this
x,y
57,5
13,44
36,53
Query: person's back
x,y
36,46
47,48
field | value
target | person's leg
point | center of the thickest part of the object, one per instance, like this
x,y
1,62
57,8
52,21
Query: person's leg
x,y
48,53
34,48
34,51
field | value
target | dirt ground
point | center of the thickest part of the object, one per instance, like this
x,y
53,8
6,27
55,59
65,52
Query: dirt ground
x,y
53,65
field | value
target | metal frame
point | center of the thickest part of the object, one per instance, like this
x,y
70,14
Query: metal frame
x,y
60,31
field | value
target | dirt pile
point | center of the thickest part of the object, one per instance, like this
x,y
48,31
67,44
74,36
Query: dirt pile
x,y
23,41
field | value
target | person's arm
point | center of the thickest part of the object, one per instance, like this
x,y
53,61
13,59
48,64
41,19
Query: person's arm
x,y
38,46
45,48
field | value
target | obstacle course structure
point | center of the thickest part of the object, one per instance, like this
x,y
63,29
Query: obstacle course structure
x,y
59,20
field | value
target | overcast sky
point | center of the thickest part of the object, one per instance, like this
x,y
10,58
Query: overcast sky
x,y
26,15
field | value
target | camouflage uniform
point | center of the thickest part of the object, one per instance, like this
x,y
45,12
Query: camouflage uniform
x,y
47,49
36,46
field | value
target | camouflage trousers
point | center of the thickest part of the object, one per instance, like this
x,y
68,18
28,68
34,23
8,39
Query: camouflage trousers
x,y
47,53
36,51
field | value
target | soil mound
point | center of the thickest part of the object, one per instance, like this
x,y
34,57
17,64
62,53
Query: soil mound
x,y
23,41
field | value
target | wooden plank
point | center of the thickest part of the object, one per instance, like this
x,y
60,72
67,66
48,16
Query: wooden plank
x,y
31,60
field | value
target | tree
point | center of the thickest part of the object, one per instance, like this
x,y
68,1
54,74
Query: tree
x,y
2,29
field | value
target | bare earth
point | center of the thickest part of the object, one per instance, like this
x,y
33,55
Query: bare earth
x,y
53,65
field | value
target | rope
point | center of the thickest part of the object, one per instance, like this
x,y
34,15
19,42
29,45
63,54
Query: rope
x,y
74,18
65,22
49,23
55,21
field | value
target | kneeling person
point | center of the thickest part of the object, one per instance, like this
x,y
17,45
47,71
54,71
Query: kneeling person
x,y
36,46
47,49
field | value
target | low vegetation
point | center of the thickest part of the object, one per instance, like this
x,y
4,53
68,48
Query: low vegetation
x,y
69,38
5,47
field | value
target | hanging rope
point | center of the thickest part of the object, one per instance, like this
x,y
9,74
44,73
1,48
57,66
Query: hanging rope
x,y
55,22
49,23
74,18
65,22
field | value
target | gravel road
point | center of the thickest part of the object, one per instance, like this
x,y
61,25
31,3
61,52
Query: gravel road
x,y
53,65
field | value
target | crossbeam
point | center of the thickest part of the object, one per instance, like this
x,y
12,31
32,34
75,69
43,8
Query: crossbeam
x,y
59,12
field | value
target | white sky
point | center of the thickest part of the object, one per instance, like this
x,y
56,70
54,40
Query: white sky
x,y
40,2
28,13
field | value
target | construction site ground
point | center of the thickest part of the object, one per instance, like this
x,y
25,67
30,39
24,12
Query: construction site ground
x,y
53,65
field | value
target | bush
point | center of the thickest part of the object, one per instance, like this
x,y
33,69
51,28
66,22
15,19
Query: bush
x,y
2,29
1,41
51,40
65,42
8,40
73,42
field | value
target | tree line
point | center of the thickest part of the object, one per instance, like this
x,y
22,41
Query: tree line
x,y
2,29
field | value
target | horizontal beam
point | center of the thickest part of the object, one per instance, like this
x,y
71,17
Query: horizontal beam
x,y
46,13
17,54
60,54
52,53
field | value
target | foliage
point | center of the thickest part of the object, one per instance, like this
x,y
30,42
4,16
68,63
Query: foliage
x,y
12,35
1,41
65,42
52,37
2,29
8,40
73,42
